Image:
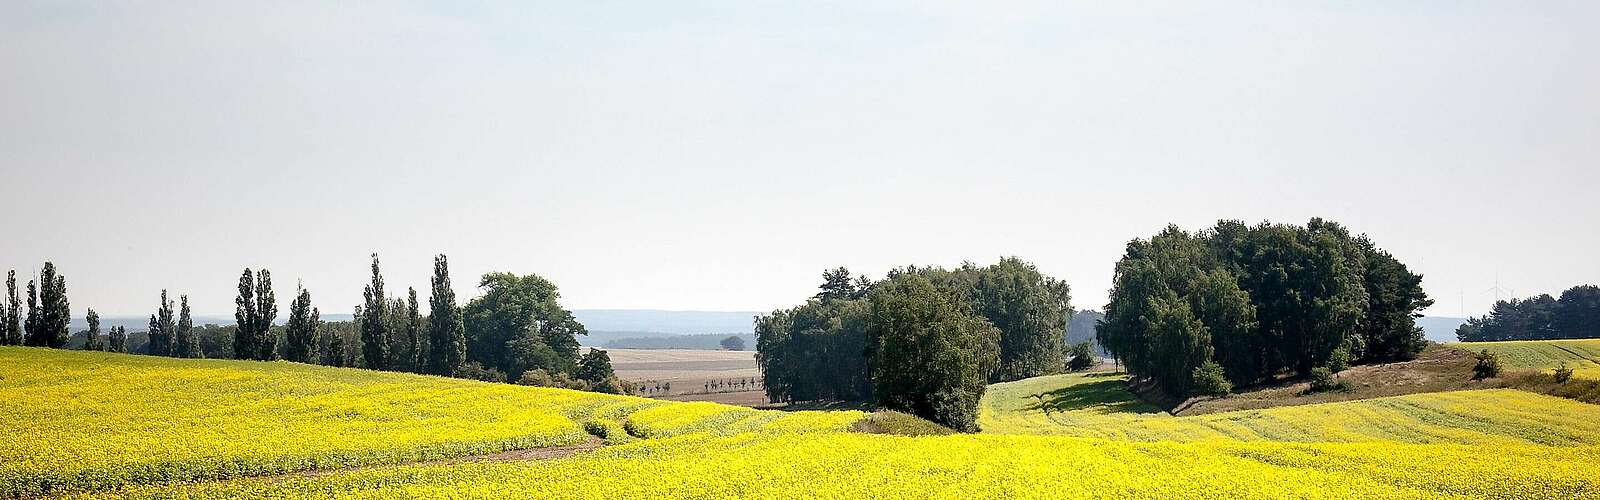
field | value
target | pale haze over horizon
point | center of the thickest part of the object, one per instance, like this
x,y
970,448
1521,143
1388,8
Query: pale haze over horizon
x,y
720,155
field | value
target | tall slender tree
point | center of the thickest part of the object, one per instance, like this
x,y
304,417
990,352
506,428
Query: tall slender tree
x,y
10,322
244,313
266,312
301,338
416,347
32,327
163,330
374,328
447,342
117,339
188,342
92,342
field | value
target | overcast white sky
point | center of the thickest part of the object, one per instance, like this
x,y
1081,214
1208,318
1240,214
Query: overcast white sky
x,y
719,155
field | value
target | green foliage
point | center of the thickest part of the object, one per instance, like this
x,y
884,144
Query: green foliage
x,y
814,352
163,331
1340,360
733,343
595,366
447,343
1081,357
475,371
513,306
374,328
1563,374
1208,380
1488,366
10,320
416,346
49,313
1030,309
92,343
117,339
930,356
1576,315
1324,380
1268,298
255,308
302,334
187,342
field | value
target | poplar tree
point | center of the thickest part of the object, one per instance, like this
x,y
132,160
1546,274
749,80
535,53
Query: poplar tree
x,y
301,338
188,342
244,314
30,327
447,343
374,330
117,339
92,342
55,314
266,343
416,356
10,325
167,328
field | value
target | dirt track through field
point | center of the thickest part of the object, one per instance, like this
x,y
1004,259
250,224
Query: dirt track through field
x,y
549,453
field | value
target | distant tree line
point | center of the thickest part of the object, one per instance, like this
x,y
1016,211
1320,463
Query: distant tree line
x,y
923,340
516,328
1199,313
1576,315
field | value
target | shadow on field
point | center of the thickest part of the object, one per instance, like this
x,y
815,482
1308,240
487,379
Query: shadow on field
x,y
1111,395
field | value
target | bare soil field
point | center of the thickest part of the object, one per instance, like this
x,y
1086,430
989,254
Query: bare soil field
x,y
689,375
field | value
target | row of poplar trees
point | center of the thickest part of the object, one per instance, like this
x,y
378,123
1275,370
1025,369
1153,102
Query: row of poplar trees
x,y
49,312
395,336
924,340
1235,304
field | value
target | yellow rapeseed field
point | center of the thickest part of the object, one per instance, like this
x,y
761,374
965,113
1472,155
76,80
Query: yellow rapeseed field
x,y
99,422
73,420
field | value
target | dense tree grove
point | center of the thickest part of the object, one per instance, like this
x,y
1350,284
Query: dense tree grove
x,y
1576,315
827,349
1257,301
447,337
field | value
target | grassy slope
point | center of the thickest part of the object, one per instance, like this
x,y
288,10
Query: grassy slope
x,y
1583,356
82,420
1095,405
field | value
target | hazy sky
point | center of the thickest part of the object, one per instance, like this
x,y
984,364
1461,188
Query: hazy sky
x,y
719,155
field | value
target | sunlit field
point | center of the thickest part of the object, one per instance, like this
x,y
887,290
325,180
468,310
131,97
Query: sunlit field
x,y
112,425
1582,356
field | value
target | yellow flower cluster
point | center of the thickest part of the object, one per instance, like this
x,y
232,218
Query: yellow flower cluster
x,y
843,465
1582,356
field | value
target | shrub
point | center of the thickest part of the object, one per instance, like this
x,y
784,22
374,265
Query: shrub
x,y
1082,357
1340,359
537,377
477,371
1323,380
1488,366
1210,381
1563,374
